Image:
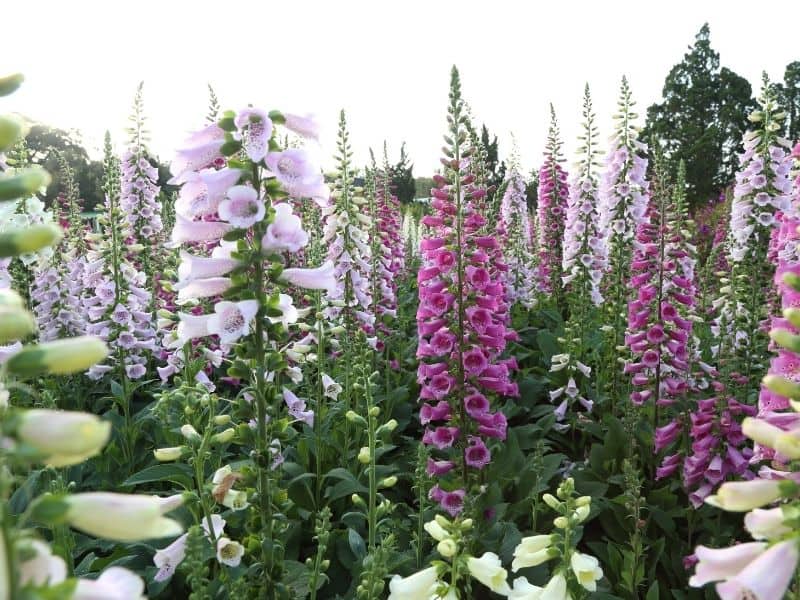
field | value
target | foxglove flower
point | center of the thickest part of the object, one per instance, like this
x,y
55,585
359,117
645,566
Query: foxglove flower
x,y
460,368
520,277
551,210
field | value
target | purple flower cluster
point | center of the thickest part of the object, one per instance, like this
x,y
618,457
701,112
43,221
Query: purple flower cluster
x,y
118,302
520,279
551,211
460,335
139,197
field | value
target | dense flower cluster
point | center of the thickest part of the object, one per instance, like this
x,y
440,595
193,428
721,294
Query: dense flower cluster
x,y
390,244
460,338
57,291
583,261
118,303
520,279
347,235
551,212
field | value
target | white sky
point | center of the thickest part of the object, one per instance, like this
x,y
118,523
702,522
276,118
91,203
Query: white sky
x,y
386,63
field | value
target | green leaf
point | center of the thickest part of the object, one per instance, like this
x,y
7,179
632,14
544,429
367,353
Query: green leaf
x,y
174,472
357,545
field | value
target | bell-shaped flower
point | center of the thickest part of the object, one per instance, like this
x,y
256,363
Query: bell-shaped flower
x,y
122,517
295,171
532,551
255,130
305,126
202,150
766,524
285,233
204,190
556,589
201,267
488,569
765,578
187,231
167,559
115,583
720,564
242,207
289,312
742,496
330,388
196,289
229,552
63,438
587,570
319,278
190,327
419,586
524,590
232,320
44,568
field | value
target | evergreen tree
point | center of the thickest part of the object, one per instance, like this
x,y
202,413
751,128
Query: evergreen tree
x,y
788,97
402,177
702,118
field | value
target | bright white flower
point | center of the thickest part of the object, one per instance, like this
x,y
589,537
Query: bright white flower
x,y
122,517
45,568
330,388
231,320
419,586
489,571
524,590
587,570
765,524
287,307
285,233
242,207
229,552
556,589
718,564
115,583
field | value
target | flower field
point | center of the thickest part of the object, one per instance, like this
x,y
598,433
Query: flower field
x,y
255,378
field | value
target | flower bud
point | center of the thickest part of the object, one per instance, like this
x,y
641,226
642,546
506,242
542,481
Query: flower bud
x,y
23,183
581,513
15,323
29,239
189,432
447,548
388,482
363,456
561,522
583,501
785,339
443,521
357,500
781,386
222,419
551,501
466,524
123,517
436,531
64,438
169,454
223,437
60,357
